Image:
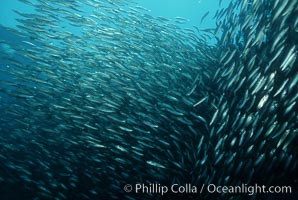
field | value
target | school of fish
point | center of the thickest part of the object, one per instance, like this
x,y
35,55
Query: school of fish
x,y
91,101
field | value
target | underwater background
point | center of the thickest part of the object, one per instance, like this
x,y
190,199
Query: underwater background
x,y
127,99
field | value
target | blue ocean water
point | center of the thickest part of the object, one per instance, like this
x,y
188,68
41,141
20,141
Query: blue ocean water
x,y
189,9
192,10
